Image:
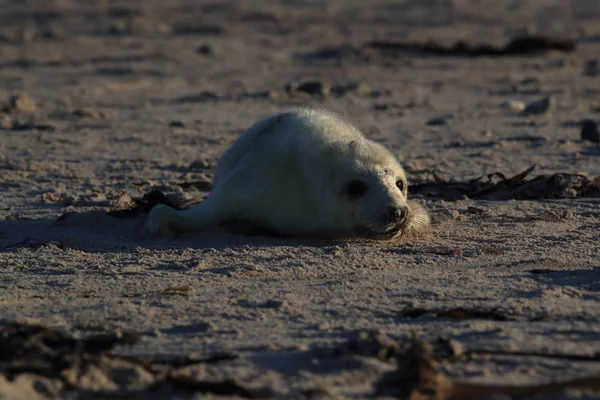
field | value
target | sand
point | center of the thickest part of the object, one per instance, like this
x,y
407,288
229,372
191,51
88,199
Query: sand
x,y
132,96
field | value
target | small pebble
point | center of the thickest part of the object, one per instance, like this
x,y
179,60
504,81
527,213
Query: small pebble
x,y
458,252
176,124
567,214
205,50
589,131
440,119
23,102
541,106
457,348
5,122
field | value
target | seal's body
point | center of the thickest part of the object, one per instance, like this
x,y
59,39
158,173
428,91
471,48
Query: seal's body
x,y
303,173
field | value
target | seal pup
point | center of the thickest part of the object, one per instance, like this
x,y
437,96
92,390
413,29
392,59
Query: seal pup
x,y
303,173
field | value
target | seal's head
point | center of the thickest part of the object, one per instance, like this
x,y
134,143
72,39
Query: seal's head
x,y
367,191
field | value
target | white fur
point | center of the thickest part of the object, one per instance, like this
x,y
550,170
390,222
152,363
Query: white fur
x,y
287,173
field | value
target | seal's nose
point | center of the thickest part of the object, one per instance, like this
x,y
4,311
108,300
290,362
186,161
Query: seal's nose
x,y
397,213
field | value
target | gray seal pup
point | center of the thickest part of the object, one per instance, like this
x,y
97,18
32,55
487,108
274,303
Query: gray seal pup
x,y
303,173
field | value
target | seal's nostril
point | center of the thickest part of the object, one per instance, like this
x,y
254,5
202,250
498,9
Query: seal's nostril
x,y
403,214
397,214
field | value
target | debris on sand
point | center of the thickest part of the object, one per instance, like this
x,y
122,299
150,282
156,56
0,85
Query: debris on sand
x,y
89,113
369,344
201,97
419,377
555,186
551,216
49,352
31,126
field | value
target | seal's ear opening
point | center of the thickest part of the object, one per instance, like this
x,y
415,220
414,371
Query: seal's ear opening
x,y
353,145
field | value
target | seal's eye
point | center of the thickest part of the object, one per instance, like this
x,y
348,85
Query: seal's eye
x,y
401,185
355,189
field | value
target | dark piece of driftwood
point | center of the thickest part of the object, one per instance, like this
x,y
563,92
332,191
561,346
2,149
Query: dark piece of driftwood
x,y
45,351
418,377
55,354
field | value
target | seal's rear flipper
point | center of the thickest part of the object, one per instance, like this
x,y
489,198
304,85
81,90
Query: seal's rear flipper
x,y
166,221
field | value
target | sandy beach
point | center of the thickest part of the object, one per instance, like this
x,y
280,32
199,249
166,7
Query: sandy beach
x,y
103,101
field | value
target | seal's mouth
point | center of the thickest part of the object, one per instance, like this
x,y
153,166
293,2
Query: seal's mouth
x,y
370,233
384,229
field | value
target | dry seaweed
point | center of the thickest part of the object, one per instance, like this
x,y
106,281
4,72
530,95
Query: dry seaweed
x,y
369,344
555,186
522,45
35,244
178,290
200,185
458,313
126,206
519,46
570,357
